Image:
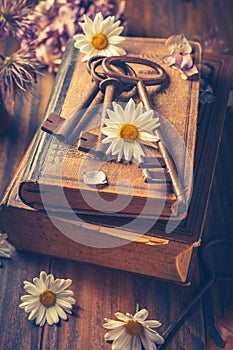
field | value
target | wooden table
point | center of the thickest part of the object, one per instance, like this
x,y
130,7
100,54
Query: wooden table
x,y
100,291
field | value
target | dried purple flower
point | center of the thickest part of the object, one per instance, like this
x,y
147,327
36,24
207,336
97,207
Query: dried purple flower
x,y
18,72
56,21
180,56
206,94
14,18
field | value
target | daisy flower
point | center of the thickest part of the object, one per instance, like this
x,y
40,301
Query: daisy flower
x,y
4,246
48,299
133,332
101,37
128,129
180,56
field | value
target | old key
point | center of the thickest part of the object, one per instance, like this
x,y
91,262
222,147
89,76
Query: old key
x,y
68,130
112,87
101,79
141,84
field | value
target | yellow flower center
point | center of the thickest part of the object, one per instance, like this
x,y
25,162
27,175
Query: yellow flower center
x,y
100,41
133,327
48,298
129,132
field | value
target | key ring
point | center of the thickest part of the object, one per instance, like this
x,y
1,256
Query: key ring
x,y
133,80
127,90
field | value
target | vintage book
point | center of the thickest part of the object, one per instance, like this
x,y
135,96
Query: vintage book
x,y
166,250
176,101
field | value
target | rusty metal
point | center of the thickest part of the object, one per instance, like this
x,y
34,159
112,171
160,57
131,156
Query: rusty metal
x,y
141,83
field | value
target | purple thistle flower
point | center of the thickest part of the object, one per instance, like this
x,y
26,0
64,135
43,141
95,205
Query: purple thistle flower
x,y
14,18
18,72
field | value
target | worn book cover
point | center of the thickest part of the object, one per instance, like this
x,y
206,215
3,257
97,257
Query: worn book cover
x,y
129,192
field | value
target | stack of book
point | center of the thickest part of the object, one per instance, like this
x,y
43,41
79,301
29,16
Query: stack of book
x,y
147,235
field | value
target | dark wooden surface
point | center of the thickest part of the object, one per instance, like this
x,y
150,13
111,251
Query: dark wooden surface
x,y
100,292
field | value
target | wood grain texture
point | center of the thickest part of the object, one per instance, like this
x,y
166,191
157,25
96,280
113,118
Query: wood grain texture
x,y
121,290
15,331
194,18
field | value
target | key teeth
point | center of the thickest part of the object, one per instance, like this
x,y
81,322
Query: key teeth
x,y
52,123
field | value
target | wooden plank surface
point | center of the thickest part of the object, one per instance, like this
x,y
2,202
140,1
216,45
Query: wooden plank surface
x,y
99,293
121,290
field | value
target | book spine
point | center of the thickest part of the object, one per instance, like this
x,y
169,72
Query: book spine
x,y
57,97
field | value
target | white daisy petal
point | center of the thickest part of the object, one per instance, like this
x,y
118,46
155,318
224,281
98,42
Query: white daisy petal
x,y
33,313
116,50
121,316
138,110
152,125
122,342
136,344
111,131
64,304
151,144
84,48
119,112
128,151
30,307
146,136
88,26
130,111
41,316
64,294
147,115
98,23
141,315
49,316
86,57
153,336
116,147
108,139
115,31
79,37
29,298
138,151
152,323
148,345
61,313
43,276
60,285
115,40
49,281
113,333
31,288
111,324
39,284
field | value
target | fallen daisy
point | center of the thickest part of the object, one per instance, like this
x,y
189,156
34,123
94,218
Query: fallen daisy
x,y
101,37
128,129
4,246
47,299
133,332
